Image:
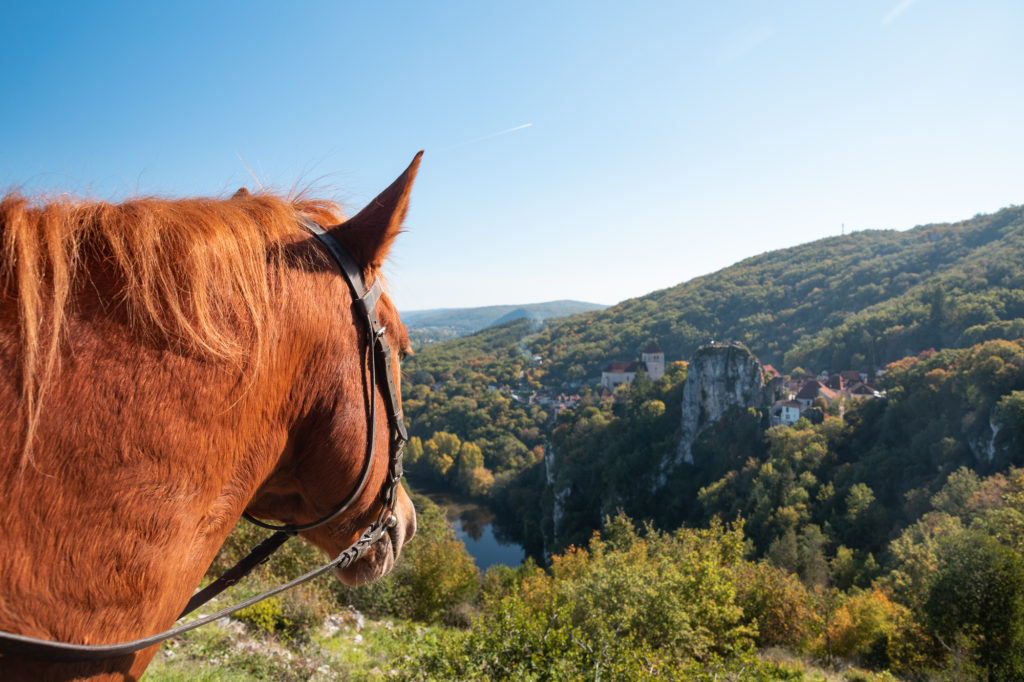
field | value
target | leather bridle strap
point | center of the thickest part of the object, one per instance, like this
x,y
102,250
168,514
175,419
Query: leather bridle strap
x,y
366,299
21,645
380,350
258,555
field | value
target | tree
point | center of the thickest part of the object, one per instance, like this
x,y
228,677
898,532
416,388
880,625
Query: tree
x,y
858,500
1010,414
440,452
956,494
783,551
471,475
862,627
778,603
814,568
978,597
413,451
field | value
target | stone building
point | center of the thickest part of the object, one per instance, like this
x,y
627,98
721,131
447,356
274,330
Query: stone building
x,y
652,363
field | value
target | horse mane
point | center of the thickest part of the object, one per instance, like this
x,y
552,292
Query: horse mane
x,y
198,273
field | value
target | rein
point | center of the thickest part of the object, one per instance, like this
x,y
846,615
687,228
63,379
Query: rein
x,y
379,351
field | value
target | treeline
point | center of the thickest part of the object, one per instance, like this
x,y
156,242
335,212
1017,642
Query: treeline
x,y
645,604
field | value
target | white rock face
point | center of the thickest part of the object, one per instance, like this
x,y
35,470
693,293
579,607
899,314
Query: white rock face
x,y
984,448
720,377
560,495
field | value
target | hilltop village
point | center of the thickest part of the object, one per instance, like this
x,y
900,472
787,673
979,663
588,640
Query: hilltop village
x,y
791,398
800,392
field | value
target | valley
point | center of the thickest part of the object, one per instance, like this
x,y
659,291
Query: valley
x,y
928,323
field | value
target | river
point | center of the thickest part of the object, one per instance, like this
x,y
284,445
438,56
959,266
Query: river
x,y
474,526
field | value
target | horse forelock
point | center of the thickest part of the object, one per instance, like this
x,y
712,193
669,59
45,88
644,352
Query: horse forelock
x,y
199,274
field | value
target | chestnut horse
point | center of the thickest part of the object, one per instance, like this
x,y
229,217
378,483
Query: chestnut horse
x,y
165,366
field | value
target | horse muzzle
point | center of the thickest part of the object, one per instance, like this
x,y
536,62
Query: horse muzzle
x,y
381,558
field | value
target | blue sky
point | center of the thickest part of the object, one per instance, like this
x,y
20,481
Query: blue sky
x,y
587,150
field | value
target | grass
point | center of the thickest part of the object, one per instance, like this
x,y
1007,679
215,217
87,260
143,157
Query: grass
x,y
352,648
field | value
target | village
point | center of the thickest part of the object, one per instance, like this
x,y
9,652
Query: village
x,y
798,394
794,397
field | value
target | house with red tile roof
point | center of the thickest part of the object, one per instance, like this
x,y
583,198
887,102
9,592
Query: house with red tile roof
x,y
652,363
814,389
803,389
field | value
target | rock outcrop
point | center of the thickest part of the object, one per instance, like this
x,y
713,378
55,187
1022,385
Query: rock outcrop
x,y
720,377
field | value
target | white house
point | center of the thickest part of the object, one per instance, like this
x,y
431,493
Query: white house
x,y
786,412
652,363
619,373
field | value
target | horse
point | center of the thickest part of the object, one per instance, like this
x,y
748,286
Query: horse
x,y
167,365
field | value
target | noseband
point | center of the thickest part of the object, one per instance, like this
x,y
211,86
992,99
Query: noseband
x,y
379,350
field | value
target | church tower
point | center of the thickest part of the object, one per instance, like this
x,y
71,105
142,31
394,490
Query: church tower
x,y
654,358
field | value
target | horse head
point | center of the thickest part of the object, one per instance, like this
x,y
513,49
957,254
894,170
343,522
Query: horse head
x,y
341,423
206,357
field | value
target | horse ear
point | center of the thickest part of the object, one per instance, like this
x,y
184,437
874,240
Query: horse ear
x,y
368,235
242,192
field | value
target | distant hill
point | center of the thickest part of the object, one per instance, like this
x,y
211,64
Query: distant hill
x,y
852,302
441,324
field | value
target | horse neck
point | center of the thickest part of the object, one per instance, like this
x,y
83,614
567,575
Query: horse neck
x,y
141,467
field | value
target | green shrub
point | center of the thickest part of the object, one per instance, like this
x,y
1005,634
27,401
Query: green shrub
x,y
266,616
637,606
291,617
778,604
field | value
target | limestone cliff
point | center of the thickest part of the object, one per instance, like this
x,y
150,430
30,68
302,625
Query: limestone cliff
x,y
720,376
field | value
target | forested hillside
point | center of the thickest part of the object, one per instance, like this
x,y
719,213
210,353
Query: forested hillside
x,y
854,302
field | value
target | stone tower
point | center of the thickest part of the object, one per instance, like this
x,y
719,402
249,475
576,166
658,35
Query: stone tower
x,y
654,358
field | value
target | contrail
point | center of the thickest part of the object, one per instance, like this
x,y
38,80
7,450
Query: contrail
x,y
487,137
896,11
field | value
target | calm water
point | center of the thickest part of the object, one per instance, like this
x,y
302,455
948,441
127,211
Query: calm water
x,y
474,526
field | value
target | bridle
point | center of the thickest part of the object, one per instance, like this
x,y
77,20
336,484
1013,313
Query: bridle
x,y
379,350
366,301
